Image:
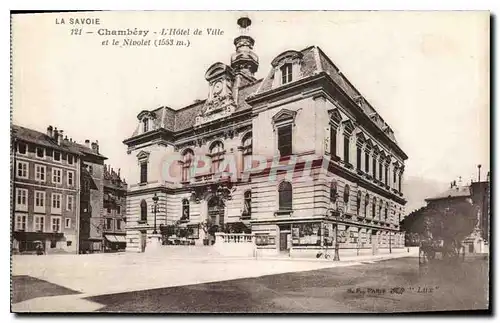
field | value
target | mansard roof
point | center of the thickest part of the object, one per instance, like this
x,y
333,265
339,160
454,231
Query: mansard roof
x,y
312,61
184,118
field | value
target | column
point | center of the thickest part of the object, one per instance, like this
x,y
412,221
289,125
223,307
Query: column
x,y
240,162
390,174
367,153
340,142
352,150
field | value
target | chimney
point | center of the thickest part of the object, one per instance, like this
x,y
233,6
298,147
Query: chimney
x,y
95,146
50,131
56,134
60,137
479,173
118,172
87,143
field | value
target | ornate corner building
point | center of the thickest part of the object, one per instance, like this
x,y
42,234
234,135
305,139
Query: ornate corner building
x,y
299,157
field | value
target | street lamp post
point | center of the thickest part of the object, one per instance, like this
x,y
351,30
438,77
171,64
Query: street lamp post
x,y
390,241
155,201
336,255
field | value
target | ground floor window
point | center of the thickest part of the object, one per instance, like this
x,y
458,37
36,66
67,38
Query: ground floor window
x,y
306,234
265,239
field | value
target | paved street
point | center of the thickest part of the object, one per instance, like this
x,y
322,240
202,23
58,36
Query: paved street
x,y
149,283
386,286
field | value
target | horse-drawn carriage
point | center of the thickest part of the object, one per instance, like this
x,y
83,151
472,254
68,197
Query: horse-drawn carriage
x,y
431,250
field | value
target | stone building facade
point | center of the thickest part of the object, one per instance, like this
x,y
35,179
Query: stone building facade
x,y
114,210
92,195
299,157
47,172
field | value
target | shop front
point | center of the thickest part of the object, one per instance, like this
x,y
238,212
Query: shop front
x,y
29,242
318,237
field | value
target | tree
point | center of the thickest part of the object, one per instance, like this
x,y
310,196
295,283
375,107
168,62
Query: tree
x,y
236,227
445,223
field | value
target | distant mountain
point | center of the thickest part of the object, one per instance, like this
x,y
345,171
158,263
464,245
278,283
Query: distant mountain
x,y
417,189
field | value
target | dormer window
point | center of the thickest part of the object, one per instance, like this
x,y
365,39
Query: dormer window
x,y
145,125
286,67
286,73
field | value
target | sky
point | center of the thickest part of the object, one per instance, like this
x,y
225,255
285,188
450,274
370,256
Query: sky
x,y
426,73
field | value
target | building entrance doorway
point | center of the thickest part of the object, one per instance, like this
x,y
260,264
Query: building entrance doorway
x,y
216,208
285,238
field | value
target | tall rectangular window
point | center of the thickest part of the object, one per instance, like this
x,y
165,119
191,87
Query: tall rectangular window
x,y
145,125
21,221
70,159
118,224
144,172
358,158
367,161
399,182
57,156
40,173
39,201
109,224
386,179
374,167
285,140
22,169
333,141
69,203
380,171
70,177
346,149
56,223
286,73
39,223
21,199
56,175
56,202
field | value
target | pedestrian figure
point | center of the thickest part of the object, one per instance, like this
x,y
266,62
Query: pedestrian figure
x,y
39,249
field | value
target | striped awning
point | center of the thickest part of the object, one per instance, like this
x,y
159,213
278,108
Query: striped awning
x,y
115,238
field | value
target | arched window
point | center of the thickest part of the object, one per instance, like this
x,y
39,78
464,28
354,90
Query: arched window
x,y
144,211
358,202
187,163
374,205
185,210
145,125
333,191
217,154
285,196
367,201
246,146
247,204
347,191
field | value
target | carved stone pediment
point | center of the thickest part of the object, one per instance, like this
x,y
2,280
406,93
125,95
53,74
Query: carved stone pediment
x,y
217,108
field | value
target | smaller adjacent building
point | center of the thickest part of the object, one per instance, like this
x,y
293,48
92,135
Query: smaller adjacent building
x,y
114,210
91,199
478,194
